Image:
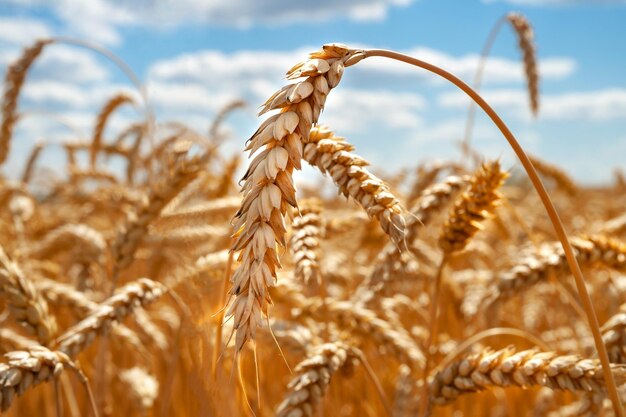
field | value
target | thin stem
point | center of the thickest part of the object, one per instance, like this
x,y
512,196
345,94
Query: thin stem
x,y
432,333
545,199
372,376
478,78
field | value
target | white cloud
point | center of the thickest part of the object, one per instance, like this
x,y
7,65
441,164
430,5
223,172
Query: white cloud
x,y
595,105
358,111
62,62
557,2
22,31
100,19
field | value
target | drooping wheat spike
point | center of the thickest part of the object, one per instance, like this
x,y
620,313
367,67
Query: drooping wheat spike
x,y
29,368
64,295
13,83
590,251
313,375
26,304
528,368
390,260
525,38
475,205
359,320
143,387
560,178
167,187
268,190
87,244
108,109
138,293
305,241
332,155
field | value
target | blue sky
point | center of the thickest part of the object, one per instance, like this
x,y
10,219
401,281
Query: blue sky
x,y
197,55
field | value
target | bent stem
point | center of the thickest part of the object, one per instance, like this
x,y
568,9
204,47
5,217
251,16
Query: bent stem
x,y
478,78
545,199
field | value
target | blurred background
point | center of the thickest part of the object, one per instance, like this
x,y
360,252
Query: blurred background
x,y
196,56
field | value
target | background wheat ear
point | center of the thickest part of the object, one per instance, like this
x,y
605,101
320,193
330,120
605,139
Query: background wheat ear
x,y
13,82
525,38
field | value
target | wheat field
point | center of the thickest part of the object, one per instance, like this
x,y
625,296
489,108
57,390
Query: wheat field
x,y
192,282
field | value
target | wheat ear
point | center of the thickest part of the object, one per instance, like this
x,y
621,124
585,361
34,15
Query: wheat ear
x,y
305,241
143,387
113,310
13,83
525,38
332,155
313,375
29,368
130,236
390,261
359,320
560,178
108,109
268,190
26,304
476,205
506,367
590,251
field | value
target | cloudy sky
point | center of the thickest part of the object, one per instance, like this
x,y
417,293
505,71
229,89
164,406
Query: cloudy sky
x,y
195,56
